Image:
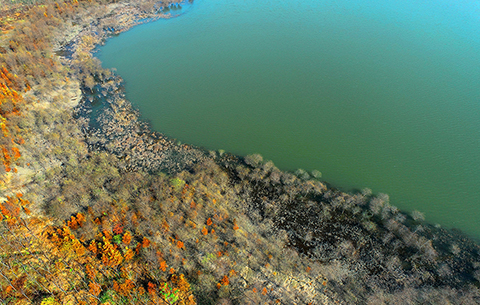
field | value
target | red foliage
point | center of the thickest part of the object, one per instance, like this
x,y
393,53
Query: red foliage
x,y
118,229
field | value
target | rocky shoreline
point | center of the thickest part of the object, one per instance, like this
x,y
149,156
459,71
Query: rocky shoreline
x,y
120,132
117,128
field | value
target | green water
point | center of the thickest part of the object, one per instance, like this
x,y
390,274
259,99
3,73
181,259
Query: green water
x,y
380,94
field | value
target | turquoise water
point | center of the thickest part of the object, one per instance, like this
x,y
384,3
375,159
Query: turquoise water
x,y
380,94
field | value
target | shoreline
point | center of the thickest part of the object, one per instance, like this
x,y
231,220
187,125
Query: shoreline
x,y
120,131
136,143
297,236
110,133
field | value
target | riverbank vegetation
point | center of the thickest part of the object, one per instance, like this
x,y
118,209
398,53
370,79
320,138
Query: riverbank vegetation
x,y
98,209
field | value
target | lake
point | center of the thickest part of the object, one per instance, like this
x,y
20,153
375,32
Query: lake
x,y
381,94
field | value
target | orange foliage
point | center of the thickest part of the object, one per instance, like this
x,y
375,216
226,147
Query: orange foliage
x,y
102,256
9,87
110,254
151,287
95,288
180,282
8,289
264,291
225,281
78,247
163,266
93,247
107,235
204,231
16,153
91,271
165,226
209,222
138,247
145,242
127,238
125,288
10,210
129,254
76,222
106,254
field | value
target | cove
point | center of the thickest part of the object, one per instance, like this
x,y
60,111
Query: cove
x,y
373,93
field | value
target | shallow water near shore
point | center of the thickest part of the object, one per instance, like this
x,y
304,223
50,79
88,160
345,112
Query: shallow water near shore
x,y
379,94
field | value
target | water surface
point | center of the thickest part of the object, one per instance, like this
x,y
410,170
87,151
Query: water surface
x,y
381,94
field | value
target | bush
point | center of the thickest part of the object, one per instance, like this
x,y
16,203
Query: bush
x,y
254,160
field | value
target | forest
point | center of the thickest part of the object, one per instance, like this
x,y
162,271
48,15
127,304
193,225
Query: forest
x,y
95,208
